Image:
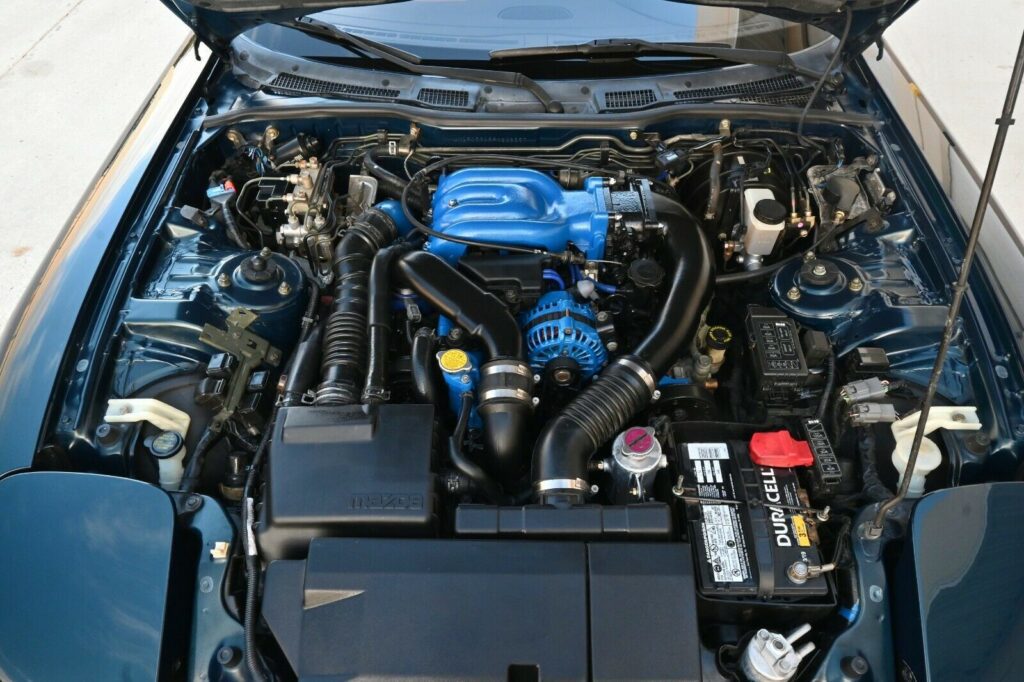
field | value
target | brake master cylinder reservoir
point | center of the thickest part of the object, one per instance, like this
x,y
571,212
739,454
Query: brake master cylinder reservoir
x,y
765,219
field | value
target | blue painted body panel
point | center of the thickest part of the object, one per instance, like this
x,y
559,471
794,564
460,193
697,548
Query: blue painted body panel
x,y
86,567
518,207
959,589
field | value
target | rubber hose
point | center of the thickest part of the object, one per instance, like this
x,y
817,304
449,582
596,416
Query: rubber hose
x,y
379,323
343,363
426,379
484,484
567,441
389,184
305,366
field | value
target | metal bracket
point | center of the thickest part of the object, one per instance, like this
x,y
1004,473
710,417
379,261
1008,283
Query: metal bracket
x,y
251,351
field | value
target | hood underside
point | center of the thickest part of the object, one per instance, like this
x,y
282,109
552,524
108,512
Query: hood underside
x,y
218,22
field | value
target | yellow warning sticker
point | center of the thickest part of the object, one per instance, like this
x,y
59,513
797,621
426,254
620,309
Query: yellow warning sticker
x,y
800,528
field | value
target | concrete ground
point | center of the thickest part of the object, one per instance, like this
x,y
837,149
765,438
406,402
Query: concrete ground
x,y
74,73
73,76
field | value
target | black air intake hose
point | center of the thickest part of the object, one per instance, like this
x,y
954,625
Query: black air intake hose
x,y
379,325
344,358
563,450
389,184
506,381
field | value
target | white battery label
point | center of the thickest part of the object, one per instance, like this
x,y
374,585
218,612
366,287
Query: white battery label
x,y
705,451
724,544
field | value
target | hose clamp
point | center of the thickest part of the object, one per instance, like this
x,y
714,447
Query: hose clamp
x,y
520,368
517,394
574,484
645,374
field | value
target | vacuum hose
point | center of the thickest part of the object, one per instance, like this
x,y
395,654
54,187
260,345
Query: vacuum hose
x,y
343,362
506,380
563,450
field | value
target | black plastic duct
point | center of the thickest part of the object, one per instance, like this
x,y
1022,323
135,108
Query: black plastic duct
x,y
563,450
506,380
343,363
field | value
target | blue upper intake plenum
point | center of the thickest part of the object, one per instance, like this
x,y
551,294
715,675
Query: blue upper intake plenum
x,y
518,207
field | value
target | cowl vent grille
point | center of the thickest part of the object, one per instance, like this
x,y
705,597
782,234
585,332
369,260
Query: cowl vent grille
x,y
451,99
292,84
780,90
629,99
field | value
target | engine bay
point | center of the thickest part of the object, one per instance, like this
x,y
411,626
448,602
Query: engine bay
x,y
636,385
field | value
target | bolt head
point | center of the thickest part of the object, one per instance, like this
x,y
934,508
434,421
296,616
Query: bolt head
x,y
793,294
819,270
223,280
452,203
612,346
856,284
634,135
285,289
265,253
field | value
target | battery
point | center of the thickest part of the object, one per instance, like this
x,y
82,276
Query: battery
x,y
745,546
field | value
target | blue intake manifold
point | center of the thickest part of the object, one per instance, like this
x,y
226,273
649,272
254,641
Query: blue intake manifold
x,y
518,207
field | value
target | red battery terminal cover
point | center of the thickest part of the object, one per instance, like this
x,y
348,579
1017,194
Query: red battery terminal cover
x,y
779,450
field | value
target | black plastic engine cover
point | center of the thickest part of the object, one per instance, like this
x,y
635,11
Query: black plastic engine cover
x,y
347,471
485,610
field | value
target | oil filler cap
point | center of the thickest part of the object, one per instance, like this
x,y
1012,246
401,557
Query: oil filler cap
x,y
779,450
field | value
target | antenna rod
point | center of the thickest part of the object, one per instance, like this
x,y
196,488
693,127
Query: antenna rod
x,y
874,531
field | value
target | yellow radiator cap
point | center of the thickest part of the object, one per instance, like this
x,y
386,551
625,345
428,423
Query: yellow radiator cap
x,y
453,360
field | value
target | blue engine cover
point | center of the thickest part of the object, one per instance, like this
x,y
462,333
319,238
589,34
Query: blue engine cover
x,y
558,326
518,207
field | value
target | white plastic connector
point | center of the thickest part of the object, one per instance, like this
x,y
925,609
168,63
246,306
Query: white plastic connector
x,y
162,416
930,457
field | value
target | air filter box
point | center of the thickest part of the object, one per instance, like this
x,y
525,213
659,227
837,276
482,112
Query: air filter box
x,y
347,471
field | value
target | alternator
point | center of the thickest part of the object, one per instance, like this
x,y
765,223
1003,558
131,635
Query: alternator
x,y
560,328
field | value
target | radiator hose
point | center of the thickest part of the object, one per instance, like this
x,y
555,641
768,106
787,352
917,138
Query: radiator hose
x,y
505,399
567,441
343,362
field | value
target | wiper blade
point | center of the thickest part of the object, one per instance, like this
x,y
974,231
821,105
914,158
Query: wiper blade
x,y
634,47
414,64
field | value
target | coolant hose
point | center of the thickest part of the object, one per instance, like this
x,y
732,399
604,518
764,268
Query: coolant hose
x,y
426,376
563,450
506,380
343,362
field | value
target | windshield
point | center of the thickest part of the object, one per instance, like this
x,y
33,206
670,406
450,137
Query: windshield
x,y
467,30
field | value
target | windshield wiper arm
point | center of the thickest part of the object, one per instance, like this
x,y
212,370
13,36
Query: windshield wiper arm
x,y
634,47
414,64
